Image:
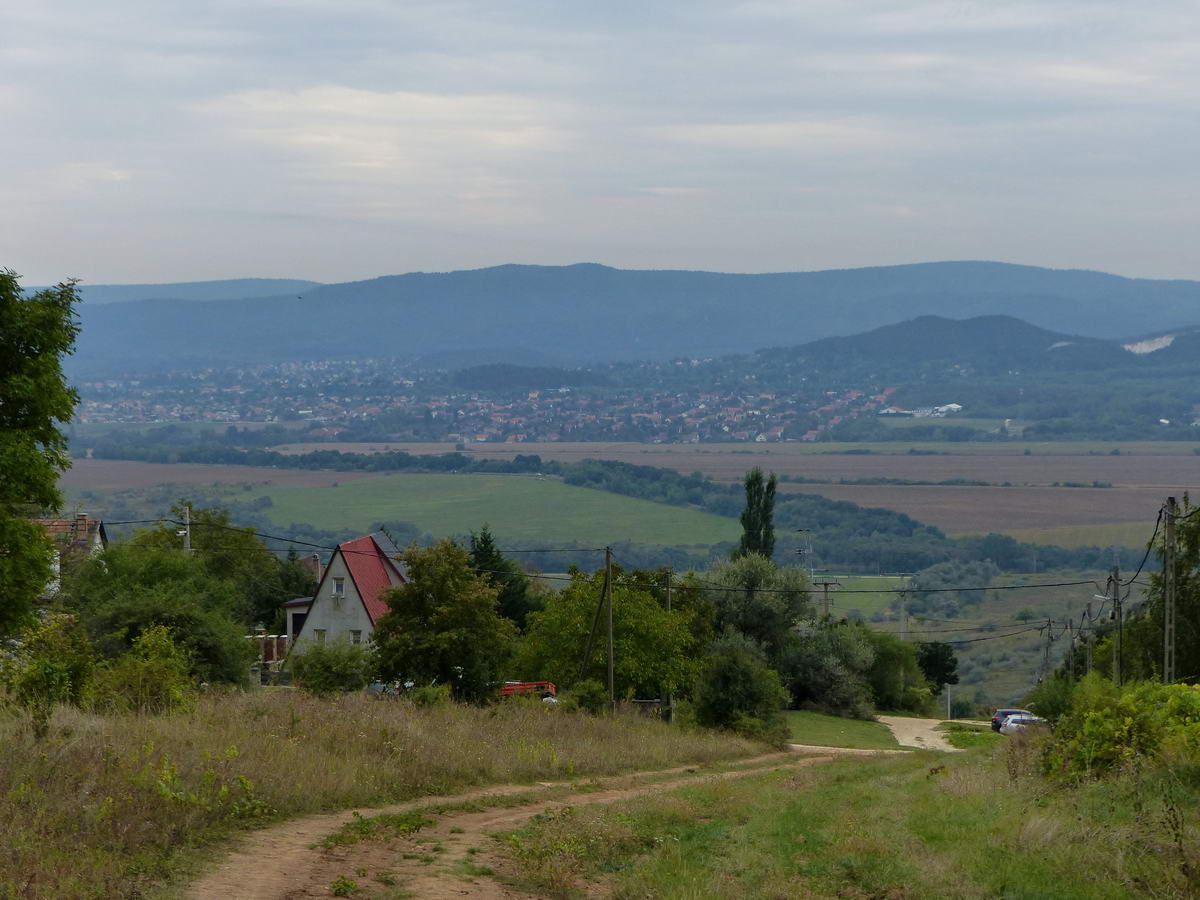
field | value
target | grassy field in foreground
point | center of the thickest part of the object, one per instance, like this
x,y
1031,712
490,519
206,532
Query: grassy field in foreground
x,y
834,731
919,825
110,806
518,508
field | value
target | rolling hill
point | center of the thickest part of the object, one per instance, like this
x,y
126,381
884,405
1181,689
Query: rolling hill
x,y
582,313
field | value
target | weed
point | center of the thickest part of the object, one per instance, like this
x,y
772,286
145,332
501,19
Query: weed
x,y
343,886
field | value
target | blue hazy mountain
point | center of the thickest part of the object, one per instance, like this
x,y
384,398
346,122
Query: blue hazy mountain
x,y
587,312
229,289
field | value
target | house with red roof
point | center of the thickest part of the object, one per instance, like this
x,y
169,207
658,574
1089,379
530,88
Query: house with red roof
x,y
74,539
348,601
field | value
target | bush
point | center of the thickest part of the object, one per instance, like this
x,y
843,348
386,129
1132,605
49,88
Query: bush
x,y
153,676
588,695
336,667
52,663
739,692
1106,729
431,695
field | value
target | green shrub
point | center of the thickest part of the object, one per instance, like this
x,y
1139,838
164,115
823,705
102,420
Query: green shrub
x,y
1106,729
153,676
739,692
431,695
588,695
52,664
333,668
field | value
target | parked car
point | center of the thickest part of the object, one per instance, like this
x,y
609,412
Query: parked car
x,y
1001,714
1016,723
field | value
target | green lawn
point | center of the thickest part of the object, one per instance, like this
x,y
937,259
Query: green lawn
x,y
518,508
952,827
833,731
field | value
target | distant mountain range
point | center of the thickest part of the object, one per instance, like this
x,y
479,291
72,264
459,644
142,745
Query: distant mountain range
x,y
571,315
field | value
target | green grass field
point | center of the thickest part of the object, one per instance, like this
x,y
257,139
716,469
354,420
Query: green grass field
x,y
517,508
833,731
1123,534
949,826
842,600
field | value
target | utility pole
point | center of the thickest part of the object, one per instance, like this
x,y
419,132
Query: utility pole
x,y
1115,581
1070,652
1169,595
670,695
187,528
904,612
608,586
825,586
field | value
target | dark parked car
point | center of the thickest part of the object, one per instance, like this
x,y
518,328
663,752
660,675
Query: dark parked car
x,y
1001,714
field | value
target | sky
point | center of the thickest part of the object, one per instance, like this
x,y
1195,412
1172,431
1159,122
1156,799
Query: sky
x,y
156,140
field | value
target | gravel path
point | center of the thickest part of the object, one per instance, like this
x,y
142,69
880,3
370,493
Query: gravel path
x,y
917,733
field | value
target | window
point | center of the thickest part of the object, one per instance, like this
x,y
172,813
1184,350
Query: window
x,y
339,591
356,637
320,633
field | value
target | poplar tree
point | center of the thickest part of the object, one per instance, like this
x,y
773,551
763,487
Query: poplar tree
x,y
36,332
758,518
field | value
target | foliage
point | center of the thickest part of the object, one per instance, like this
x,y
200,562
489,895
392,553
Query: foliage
x,y
52,663
588,695
130,587
827,668
938,663
36,332
443,624
516,599
1106,728
654,651
894,675
332,668
430,695
758,518
153,676
1051,698
1143,641
737,690
759,599
235,554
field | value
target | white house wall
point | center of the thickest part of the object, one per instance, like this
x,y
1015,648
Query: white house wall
x,y
337,622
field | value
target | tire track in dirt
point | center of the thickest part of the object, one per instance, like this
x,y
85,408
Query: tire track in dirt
x,y
280,862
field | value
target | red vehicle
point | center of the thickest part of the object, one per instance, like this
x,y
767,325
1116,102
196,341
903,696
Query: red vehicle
x,y
543,689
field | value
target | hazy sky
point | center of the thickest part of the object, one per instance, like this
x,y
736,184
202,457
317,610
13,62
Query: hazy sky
x,y
155,140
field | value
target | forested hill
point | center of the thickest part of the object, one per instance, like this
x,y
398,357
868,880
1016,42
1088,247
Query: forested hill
x,y
982,345
229,289
583,313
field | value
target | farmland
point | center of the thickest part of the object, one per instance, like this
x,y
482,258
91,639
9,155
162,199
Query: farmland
x,y
1019,493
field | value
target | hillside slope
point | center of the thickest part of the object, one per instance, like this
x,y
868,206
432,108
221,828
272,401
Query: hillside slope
x,y
590,312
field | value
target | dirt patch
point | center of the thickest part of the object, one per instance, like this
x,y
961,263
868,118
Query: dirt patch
x,y
448,858
918,733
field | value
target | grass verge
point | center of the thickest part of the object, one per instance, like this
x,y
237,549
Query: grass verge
x,y
834,731
976,825
966,736
114,806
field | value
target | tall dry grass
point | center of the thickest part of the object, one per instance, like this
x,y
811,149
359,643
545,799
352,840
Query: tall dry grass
x,y
111,806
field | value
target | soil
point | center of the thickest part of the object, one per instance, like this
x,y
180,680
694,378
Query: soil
x,y
281,862
917,733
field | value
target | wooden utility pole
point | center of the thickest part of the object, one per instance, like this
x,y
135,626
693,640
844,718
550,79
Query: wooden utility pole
x,y
608,586
1070,652
825,586
587,653
670,698
1115,583
1169,594
187,528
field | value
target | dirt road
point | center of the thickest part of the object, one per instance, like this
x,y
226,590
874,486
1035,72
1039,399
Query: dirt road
x,y
917,733
437,862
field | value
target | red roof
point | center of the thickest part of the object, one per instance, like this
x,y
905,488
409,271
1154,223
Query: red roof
x,y
371,570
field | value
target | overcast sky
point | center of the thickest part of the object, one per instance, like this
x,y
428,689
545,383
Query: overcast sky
x,y
156,140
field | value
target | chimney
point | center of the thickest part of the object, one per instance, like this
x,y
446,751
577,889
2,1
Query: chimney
x,y
80,530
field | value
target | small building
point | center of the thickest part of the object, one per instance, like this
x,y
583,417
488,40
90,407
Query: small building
x,y
347,603
74,539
